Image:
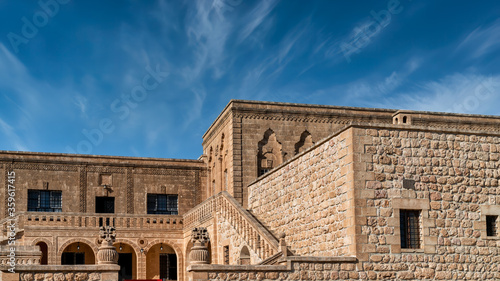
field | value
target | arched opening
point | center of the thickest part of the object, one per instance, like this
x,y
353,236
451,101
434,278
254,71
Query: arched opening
x,y
269,154
244,256
404,119
396,120
45,249
127,260
161,262
77,253
304,143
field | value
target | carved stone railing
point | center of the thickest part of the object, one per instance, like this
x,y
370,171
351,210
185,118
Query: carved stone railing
x,y
43,220
252,231
22,255
200,214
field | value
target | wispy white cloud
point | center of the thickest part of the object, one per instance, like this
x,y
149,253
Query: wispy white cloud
x,y
13,139
81,103
482,40
195,107
370,87
255,18
208,31
460,93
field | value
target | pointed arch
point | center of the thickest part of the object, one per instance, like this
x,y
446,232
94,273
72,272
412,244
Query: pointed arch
x,y
269,153
304,143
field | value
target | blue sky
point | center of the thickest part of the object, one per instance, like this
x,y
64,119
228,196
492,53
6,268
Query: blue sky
x,y
147,78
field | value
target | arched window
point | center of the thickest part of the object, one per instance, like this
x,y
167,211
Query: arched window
x,y
304,143
269,154
244,256
44,249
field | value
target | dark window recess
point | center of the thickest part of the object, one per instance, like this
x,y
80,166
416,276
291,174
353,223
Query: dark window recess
x,y
491,225
168,266
226,254
408,184
106,222
44,201
263,171
105,205
410,229
163,204
71,258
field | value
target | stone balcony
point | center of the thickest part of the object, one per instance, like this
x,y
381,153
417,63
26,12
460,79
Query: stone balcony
x,y
33,222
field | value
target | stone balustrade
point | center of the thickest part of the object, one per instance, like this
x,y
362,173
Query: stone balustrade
x,y
200,214
255,235
252,231
40,220
22,255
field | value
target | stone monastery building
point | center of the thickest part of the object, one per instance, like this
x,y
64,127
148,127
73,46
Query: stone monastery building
x,y
281,192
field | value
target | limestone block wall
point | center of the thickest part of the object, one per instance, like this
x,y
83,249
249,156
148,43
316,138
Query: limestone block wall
x,y
309,199
452,178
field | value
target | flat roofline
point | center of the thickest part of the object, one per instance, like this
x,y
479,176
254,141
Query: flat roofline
x,y
304,105
109,157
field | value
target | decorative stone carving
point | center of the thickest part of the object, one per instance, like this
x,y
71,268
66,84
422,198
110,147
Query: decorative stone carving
x,y
304,143
107,253
270,152
199,252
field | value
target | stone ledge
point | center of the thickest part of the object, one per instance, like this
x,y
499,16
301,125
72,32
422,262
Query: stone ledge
x,y
238,268
63,268
321,259
269,268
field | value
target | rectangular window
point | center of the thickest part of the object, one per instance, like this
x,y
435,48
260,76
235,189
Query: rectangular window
x,y
163,204
226,254
44,201
491,225
105,205
410,229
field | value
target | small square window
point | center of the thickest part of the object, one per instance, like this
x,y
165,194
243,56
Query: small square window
x,y
491,225
410,229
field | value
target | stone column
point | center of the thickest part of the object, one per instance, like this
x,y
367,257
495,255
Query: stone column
x,y
199,252
107,253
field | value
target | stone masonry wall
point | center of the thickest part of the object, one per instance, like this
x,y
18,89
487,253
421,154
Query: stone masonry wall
x,y
308,199
229,236
456,178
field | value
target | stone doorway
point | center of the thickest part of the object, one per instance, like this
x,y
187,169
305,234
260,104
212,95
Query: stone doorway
x,y
126,265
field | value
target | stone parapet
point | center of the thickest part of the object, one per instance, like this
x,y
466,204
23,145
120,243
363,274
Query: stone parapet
x,y
295,268
23,255
63,272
